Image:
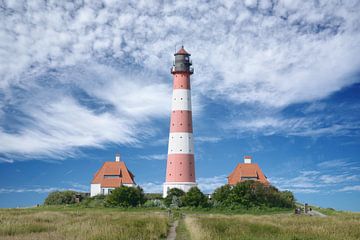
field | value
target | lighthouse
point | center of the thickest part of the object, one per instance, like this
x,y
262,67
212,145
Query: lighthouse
x,y
180,166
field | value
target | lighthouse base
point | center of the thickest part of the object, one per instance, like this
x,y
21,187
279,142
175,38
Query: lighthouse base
x,y
185,186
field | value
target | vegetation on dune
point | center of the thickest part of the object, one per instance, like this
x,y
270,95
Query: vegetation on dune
x,y
343,226
60,197
250,194
125,197
195,198
174,197
243,197
81,224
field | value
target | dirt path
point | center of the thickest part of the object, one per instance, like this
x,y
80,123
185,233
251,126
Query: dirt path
x,y
172,231
316,213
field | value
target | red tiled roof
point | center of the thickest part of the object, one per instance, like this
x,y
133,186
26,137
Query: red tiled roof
x,y
248,170
113,168
182,51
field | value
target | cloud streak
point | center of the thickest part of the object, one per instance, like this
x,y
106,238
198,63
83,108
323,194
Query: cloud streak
x,y
87,74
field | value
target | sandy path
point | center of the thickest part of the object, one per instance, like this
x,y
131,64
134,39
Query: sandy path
x,y
172,231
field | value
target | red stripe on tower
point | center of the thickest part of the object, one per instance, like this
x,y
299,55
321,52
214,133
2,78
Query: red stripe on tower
x,y
180,168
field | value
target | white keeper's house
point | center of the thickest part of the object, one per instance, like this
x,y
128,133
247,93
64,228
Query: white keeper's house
x,y
110,176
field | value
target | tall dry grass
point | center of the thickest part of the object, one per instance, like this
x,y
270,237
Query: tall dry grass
x,y
81,224
343,226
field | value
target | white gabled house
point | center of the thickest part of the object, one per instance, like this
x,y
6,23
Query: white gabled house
x,y
110,176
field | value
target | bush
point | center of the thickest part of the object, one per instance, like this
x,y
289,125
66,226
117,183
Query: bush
x,y
153,196
125,197
194,198
220,195
96,201
60,197
250,194
173,197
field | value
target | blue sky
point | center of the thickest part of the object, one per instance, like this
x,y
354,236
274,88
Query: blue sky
x,y
277,80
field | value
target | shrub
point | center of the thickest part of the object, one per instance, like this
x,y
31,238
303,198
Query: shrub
x,y
173,197
153,196
249,194
220,195
125,197
194,198
96,201
60,197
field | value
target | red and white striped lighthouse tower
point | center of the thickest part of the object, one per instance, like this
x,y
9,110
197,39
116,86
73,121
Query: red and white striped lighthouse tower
x,y
180,169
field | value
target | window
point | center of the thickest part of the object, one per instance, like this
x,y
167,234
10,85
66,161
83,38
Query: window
x,y
113,176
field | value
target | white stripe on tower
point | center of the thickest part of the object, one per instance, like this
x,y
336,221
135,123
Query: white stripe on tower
x,y
181,143
181,100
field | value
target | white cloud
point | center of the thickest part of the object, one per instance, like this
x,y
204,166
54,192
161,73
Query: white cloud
x,y
316,181
152,187
274,54
350,188
208,185
76,188
210,139
334,163
312,126
157,157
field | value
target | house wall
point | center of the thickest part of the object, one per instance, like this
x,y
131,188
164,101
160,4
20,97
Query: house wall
x,y
94,190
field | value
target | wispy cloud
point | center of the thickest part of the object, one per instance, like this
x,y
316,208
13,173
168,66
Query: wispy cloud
x,y
208,185
210,139
64,67
350,188
157,157
78,188
335,163
321,180
152,187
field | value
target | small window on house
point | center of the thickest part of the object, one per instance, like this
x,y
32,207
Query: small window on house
x,y
180,162
181,98
180,150
113,176
180,124
180,174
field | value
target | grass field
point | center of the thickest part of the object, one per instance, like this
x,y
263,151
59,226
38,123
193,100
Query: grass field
x,y
344,226
57,223
108,223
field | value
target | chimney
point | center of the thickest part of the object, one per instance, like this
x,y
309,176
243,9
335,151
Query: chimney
x,y
247,159
117,157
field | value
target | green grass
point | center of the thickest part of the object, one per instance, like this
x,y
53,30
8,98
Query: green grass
x,y
343,226
182,233
70,223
